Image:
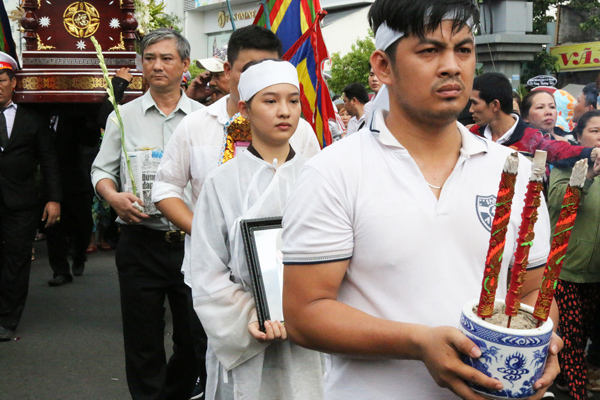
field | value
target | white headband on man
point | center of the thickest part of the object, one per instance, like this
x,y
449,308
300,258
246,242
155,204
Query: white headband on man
x,y
265,74
386,36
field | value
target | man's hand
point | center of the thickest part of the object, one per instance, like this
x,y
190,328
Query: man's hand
x,y
440,351
199,89
51,213
122,202
274,331
552,368
123,73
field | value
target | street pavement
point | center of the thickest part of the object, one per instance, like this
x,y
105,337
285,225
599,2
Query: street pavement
x,y
69,344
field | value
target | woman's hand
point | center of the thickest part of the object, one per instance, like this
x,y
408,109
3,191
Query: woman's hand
x,y
274,331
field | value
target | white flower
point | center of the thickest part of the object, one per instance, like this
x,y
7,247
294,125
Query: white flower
x,y
114,23
81,45
44,22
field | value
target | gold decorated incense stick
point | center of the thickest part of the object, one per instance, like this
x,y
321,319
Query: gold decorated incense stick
x,y
560,240
533,199
493,260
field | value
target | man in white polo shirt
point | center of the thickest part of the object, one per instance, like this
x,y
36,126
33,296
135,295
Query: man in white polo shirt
x,y
386,233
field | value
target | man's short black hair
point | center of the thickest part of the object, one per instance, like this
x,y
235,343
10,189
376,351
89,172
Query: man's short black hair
x,y
495,86
358,92
252,37
9,72
591,93
420,17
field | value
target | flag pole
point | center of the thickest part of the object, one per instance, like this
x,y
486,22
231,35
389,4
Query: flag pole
x,y
267,14
230,15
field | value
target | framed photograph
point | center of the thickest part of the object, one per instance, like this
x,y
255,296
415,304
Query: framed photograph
x,y
262,242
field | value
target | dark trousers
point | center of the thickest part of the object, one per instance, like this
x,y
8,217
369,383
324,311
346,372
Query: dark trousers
x,y
75,223
149,272
17,232
200,343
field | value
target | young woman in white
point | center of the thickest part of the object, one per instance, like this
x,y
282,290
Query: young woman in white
x,y
243,362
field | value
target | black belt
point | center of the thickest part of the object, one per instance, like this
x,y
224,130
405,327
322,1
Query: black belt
x,y
174,236
168,236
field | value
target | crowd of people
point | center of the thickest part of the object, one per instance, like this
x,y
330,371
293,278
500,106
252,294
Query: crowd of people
x,y
382,243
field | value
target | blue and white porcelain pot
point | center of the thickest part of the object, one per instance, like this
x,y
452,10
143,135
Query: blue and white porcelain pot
x,y
516,357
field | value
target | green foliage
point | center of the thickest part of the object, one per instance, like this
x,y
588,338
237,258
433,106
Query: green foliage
x,y
195,70
540,8
352,67
542,64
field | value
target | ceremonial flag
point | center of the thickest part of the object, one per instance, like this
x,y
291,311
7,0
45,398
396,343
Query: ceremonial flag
x,y
289,19
7,44
308,55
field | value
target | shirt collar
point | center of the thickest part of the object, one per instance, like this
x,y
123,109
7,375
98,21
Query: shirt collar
x,y
184,104
471,144
487,132
219,110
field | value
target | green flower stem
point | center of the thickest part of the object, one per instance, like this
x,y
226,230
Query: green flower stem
x,y
111,97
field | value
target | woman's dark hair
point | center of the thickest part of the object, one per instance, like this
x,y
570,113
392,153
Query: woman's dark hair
x,y
528,102
583,121
591,93
420,17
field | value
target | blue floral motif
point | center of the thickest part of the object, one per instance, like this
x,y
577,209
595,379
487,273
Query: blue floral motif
x,y
515,367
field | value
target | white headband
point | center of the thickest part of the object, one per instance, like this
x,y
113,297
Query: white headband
x,y
265,74
386,36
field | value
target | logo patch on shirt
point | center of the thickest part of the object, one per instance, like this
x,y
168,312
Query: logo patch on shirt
x,y
486,208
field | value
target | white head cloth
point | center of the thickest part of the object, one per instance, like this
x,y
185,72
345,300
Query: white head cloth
x,y
386,36
265,74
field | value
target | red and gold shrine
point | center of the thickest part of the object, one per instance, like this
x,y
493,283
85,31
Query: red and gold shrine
x,y
60,65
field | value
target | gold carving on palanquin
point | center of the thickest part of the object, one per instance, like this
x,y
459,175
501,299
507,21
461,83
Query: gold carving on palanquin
x,y
62,83
42,46
81,19
120,46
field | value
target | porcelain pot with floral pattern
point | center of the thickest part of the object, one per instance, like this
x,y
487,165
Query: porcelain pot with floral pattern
x,y
516,357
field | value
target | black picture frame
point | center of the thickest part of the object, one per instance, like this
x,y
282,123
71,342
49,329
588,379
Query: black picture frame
x,y
266,270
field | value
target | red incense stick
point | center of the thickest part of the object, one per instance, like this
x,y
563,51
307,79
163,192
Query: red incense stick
x,y
526,234
493,260
560,241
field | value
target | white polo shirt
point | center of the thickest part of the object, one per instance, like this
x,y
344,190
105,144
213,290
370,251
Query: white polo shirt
x,y
413,258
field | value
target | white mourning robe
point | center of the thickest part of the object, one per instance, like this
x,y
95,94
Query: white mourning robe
x,y
245,187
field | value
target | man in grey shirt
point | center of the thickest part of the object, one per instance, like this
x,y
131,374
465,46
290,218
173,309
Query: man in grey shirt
x,y
150,250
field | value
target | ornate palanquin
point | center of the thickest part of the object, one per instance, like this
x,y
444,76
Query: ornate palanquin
x,y
60,63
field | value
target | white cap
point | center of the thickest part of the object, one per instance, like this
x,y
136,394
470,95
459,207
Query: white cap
x,y
264,74
7,62
215,63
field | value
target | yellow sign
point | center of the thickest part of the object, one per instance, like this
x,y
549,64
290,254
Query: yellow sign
x,y
578,56
81,19
224,18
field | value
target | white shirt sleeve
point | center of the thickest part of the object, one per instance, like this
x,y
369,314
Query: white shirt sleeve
x,y
317,223
173,173
224,307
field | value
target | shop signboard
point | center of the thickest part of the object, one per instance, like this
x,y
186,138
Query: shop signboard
x,y
578,56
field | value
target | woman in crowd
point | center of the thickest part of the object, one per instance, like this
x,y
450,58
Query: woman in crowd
x,y
243,362
539,110
578,291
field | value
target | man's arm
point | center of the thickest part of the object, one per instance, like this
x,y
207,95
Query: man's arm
x,y
172,177
315,319
50,170
177,212
122,202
